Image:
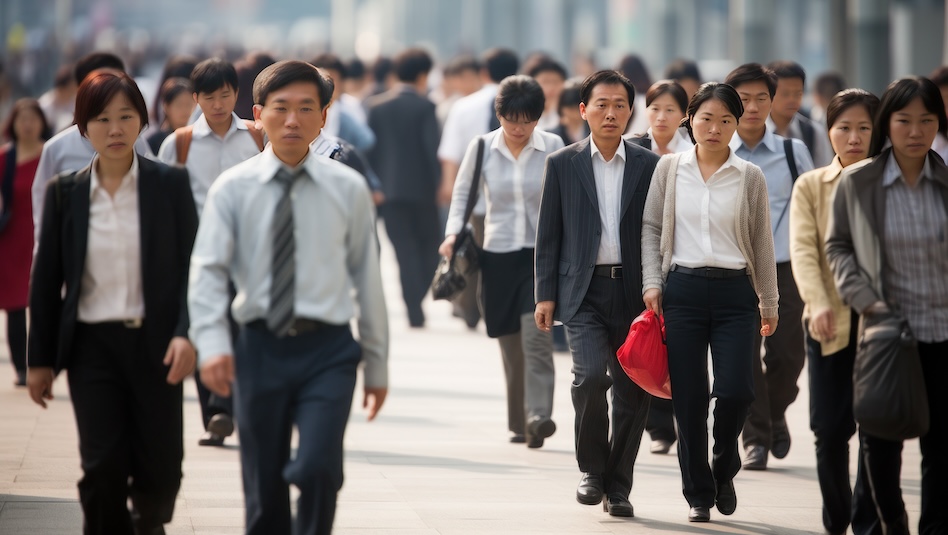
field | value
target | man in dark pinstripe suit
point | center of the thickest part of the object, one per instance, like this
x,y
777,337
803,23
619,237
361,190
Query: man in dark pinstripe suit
x,y
589,276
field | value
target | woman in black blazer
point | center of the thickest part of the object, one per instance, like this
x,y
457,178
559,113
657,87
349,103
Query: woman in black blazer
x,y
117,236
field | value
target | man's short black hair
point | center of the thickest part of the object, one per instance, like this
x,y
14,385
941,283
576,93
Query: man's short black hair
x,y
519,97
787,69
752,72
939,76
463,63
500,63
541,63
411,64
355,68
606,77
381,69
331,62
570,97
828,84
284,73
95,61
213,74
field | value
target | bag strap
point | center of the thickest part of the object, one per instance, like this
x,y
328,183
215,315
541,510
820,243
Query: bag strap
x,y
182,142
257,135
476,182
792,164
6,180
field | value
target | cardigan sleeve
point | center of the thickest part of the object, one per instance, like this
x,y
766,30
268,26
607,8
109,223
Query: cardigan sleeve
x,y
652,227
762,243
806,244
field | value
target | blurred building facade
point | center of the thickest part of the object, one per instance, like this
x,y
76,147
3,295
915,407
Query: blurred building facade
x,y
869,41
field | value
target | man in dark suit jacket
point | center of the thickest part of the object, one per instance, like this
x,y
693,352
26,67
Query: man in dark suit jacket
x,y
589,276
405,158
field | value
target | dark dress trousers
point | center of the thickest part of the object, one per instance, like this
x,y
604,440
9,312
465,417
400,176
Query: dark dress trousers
x,y
597,311
129,419
405,158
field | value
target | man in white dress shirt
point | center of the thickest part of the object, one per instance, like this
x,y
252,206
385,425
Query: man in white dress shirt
x,y
296,235
217,141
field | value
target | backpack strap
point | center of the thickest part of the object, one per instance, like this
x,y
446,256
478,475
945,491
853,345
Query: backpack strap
x,y
791,159
257,135
808,133
182,142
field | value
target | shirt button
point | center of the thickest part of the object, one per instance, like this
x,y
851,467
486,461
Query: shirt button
x,y
592,265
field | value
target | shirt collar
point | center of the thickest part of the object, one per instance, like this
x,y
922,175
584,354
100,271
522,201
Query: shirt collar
x,y
202,129
130,178
893,172
270,164
620,152
690,157
769,140
678,143
833,170
535,142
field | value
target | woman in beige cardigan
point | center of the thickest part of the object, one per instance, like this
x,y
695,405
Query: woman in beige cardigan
x,y
831,325
708,263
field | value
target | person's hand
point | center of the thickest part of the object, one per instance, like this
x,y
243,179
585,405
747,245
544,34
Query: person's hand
x,y
653,300
181,357
373,398
217,374
378,198
823,324
879,307
768,326
39,381
447,246
544,315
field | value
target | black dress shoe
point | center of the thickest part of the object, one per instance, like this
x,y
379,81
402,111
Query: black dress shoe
x,y
221,424
590,489
539,428
210,439
756,458
699,514
726,500
518,438
617,505
781,438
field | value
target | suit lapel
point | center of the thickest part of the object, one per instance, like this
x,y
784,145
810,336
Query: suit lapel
x,y
582,165
147,188
630,180
79,206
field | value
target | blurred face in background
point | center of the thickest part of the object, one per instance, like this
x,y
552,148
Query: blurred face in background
x,y
218,106
179,110
467,81
664,115
757,103
28,126
552,84
851,133
788,99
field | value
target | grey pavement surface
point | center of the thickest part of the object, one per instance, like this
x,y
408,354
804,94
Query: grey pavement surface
x,y
436,461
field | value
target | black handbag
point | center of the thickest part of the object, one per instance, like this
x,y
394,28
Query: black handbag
x,y
6,187
890,400
450,276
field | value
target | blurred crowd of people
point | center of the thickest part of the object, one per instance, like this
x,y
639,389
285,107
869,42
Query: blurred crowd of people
x,y
411,142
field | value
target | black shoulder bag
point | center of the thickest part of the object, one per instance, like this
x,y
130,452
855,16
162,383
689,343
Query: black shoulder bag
x,y
449,279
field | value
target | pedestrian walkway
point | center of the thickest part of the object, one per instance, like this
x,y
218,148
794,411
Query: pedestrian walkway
x,y
435,462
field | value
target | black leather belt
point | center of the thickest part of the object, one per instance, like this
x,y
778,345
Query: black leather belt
x,y
608,271
131,323
710,272
300,326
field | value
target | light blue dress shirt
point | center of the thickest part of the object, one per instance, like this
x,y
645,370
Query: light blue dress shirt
x,y
770,157
337,262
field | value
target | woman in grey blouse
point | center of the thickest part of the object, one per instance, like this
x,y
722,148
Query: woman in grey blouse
x,y
511,178
888,249
708,262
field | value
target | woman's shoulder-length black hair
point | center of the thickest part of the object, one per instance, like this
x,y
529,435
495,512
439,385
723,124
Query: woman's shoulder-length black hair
x,y
900,94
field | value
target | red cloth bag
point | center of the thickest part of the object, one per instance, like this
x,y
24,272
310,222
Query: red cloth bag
x,y
644,356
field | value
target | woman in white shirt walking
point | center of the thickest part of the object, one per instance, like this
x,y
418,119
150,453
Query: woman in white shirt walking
x,y
708,263
512,177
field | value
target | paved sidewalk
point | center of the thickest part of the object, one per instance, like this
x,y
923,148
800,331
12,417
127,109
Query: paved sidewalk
x,y
437,460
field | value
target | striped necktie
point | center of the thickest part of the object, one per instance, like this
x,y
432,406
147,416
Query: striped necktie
x,y
283,274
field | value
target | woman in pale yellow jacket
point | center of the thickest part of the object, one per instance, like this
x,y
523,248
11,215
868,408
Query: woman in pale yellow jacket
x,y
831,325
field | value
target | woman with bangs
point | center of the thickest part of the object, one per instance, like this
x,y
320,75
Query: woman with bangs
x,y
887,246
511,179
108,304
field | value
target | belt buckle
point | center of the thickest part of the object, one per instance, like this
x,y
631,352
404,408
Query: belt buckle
x,y
615,272
134,323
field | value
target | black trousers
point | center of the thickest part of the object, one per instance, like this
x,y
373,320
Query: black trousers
x,y
16,337
661,420
883,458
305,382
831,419
783,354
595,333
130,425
413,230
723,314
